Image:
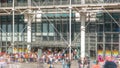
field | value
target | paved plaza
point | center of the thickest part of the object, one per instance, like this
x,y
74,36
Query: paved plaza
x,y
74,64
36,65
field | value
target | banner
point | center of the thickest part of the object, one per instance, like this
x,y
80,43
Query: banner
x,y
115,53
100,52
107,53
100,55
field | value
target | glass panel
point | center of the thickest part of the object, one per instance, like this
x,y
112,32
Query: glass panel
x,y
100,39
9,18
108,37
4,28
3,36
4,18
21,28
9,3
45,29
115,27
77,27
116,16
38,27
45,38
115,37
33,27
100,28
59,28
9,28
107,27
51,29
51,38
65,28
15,28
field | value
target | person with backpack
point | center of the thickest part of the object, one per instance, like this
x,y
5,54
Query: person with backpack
x,y
109,63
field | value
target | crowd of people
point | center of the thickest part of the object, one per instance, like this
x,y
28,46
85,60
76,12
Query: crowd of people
x,y
47,56
50,57
58,56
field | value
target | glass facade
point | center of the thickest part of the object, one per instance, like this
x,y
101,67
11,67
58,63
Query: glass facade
x,y
108,33
103,32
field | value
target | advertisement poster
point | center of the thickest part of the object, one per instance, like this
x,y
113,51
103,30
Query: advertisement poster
x,y
115,53
107,53
100,55
100,52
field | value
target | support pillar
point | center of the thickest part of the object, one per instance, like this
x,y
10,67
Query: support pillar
x,y
83,19
29,33
13,24
119,43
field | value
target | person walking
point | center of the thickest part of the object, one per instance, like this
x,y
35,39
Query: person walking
x,y
97,65
79,63
3,63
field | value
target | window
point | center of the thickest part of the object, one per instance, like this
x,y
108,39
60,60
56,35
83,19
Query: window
x,y
45,29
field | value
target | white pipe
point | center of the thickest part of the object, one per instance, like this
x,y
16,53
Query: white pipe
x,y
29,33
70,11
13,10
83,18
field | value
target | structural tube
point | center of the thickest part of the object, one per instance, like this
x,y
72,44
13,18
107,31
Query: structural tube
x,y
29,34
83,18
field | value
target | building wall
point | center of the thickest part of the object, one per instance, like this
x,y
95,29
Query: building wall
x,y
103,32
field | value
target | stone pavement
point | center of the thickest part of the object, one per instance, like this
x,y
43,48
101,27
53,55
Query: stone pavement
x,y
74,64
40,65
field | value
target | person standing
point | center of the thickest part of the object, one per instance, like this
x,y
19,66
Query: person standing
x,y
118,63
96,65
79,63
3,63
63,63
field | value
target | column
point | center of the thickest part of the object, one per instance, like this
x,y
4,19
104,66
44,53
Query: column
x,y
83,19
13,23
119,43
29,33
